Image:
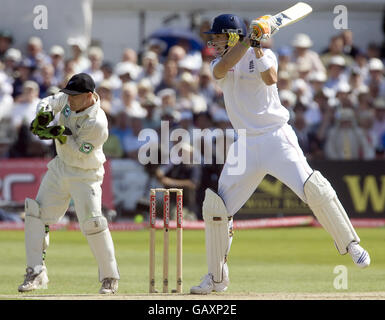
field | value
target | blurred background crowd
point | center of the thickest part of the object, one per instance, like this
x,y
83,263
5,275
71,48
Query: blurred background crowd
x,y
336,97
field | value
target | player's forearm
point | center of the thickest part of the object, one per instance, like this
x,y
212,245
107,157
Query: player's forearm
x,y
269,76
231,58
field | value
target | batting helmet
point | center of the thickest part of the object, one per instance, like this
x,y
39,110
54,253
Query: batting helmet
x,y
226,23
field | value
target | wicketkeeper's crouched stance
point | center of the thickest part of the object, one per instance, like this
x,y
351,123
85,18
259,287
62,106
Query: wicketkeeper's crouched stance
x,y
76,172
248,76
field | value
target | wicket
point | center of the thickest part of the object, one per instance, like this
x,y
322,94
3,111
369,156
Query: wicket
x,y
166,220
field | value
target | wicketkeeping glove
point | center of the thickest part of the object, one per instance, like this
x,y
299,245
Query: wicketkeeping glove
x,y
54,132
43,118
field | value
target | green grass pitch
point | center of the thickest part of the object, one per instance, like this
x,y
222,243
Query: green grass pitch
x,y
261,261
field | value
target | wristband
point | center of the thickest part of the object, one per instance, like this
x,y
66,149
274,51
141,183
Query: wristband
x,y
244,44
264,63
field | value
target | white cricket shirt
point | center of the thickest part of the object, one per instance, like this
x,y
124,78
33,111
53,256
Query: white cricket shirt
x,y
84,148
250,103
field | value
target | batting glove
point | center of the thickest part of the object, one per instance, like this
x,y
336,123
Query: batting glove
x,y
233,39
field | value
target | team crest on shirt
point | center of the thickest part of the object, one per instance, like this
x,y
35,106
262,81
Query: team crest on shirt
x,y
66,111
86,147
251,66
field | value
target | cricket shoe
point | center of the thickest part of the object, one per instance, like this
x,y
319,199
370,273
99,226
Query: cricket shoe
x,y
35,278
109,286
359,255
208,285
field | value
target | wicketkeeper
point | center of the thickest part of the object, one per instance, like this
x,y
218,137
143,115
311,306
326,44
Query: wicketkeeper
x,y
76,172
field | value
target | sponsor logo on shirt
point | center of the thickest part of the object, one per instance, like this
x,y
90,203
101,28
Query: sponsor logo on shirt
x,y
66,111
86,148
251,66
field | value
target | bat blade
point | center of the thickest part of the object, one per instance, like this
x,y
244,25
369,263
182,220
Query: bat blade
x,y
293,14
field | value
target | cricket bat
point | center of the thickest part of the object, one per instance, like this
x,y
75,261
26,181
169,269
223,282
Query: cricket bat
x,y
292,14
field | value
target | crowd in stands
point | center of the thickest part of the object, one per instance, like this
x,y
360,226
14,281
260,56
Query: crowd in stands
x,y
336,97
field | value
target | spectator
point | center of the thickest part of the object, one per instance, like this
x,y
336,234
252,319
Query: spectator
x,y
152,69
107,101
317,81
158,46
207,87
169,78
122,126
288,100
56,54
112,148
187,98
126,72
361,62
176,53
145,90
336,68
346,141
302,90
129,55
184,175
167,102
379,121
23,73
301,129
285,63
364,99
152,120
284,80
366,122
303,54
46,79
336,48
131,142
6,41
78,48
35,53
6,100
111,77
376,80
95,56
12,59
343,95
349,48
356,83
373,50
129,102
24,109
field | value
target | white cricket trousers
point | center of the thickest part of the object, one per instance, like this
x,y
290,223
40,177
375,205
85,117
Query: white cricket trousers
x,y
63,182
276,153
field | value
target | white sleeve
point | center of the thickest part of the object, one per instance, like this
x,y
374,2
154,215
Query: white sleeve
x,y
212,65
53,103
270,54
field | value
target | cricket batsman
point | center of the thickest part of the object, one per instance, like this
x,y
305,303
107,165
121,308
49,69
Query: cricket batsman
x,y
76,172
247,75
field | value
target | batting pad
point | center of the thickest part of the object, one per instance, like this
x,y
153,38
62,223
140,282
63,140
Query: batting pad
x,y
102,247
36,239
323,201
218,232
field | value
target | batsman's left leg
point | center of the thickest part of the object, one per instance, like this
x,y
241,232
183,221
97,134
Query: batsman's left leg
x,y
219,235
